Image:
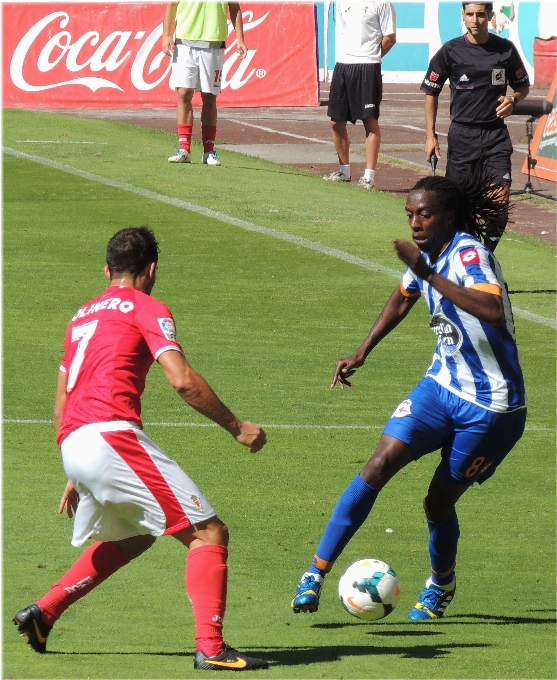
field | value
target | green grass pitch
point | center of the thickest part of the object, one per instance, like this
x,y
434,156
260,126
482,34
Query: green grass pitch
x,y
263,320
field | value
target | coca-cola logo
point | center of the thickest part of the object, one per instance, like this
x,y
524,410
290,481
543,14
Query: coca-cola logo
x,y
56,47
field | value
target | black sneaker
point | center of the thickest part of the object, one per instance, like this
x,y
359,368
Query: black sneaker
x,y
228,660
30,625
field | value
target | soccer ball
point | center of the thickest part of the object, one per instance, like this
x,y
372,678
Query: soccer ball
x,y
369,589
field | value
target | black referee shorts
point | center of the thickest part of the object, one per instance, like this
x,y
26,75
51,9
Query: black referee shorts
x,y
468,146
356,92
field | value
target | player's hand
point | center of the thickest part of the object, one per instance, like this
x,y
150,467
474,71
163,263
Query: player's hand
x,y
69,500
168,45
344,369
242,49
252,436
505,107
412,257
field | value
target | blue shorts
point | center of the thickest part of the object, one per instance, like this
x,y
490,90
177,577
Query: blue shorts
x,y
473,440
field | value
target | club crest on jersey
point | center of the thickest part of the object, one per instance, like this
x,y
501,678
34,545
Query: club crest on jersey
x,y
403,409
470,256
498,76
168,328
195,500
448,333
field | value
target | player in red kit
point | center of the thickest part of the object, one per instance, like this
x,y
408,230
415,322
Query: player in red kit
x,y
122,488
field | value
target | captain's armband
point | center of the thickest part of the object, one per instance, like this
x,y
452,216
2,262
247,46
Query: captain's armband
x,y
492,288
407,293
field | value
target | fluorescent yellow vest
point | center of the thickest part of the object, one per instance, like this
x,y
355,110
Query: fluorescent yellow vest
x,y
202,21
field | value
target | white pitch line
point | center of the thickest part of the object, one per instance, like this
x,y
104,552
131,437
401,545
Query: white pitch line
x,y
279,132
248,226
53,141
277,426
314,139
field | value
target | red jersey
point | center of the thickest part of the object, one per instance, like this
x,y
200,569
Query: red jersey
x,y
109,348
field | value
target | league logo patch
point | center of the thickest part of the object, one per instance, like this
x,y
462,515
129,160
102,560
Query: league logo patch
x,y
403,409
520,73
433,76
168,328
469,256
498,76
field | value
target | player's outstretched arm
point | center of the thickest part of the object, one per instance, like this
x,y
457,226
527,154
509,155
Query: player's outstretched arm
x,y
485,306
196,391
394,311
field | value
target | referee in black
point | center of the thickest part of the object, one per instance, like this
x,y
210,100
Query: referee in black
x,y
479,67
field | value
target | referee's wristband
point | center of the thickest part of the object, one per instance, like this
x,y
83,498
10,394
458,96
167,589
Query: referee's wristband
x,y
512,98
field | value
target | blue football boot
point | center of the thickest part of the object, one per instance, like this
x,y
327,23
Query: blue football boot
x,y
306,597
433,601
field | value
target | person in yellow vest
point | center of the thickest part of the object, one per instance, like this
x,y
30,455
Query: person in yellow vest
x,y
194,35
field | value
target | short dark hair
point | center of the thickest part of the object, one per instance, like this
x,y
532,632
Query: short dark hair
x,y
488,5
130,250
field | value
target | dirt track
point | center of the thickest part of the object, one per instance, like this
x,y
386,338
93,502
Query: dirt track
x,y
301,137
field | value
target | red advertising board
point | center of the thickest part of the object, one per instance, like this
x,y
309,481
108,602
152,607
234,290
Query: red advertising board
x,y
544,144
95,55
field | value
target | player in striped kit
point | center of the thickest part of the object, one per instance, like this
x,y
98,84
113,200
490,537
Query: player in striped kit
x,y
125,492
471,403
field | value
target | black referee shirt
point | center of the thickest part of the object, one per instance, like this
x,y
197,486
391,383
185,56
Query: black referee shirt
x,y
478,75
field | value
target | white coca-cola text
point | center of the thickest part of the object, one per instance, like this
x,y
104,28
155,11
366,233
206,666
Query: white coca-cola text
x,y
110,54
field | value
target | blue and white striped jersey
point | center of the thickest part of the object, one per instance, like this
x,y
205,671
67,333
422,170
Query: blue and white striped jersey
x,y
472,359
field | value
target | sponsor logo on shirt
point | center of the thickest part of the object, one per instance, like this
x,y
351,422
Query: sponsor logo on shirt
x,y
448,333
435,86
168,328
469,256
369,106
498,76
433,76
403,409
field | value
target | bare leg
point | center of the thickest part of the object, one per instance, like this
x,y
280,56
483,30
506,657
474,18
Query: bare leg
x,y
208,108
184,111
373,141
341,141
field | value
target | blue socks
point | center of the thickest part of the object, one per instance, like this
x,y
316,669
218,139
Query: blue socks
x,y
348,516
443,540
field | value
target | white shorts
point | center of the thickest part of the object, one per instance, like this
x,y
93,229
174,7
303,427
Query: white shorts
x,y
197,68
127,485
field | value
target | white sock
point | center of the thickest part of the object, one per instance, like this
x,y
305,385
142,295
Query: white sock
x,y
369,174
345,169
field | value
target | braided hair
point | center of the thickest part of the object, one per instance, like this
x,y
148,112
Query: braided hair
x,y
479,205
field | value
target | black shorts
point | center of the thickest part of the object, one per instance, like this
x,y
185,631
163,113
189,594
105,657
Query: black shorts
x,y
356,92
468,146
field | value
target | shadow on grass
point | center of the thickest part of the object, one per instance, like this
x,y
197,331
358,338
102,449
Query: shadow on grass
x,y
291,656
458,619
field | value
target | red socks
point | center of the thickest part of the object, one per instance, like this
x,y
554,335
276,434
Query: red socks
x,y
208,135
206,580
185,131
97,563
